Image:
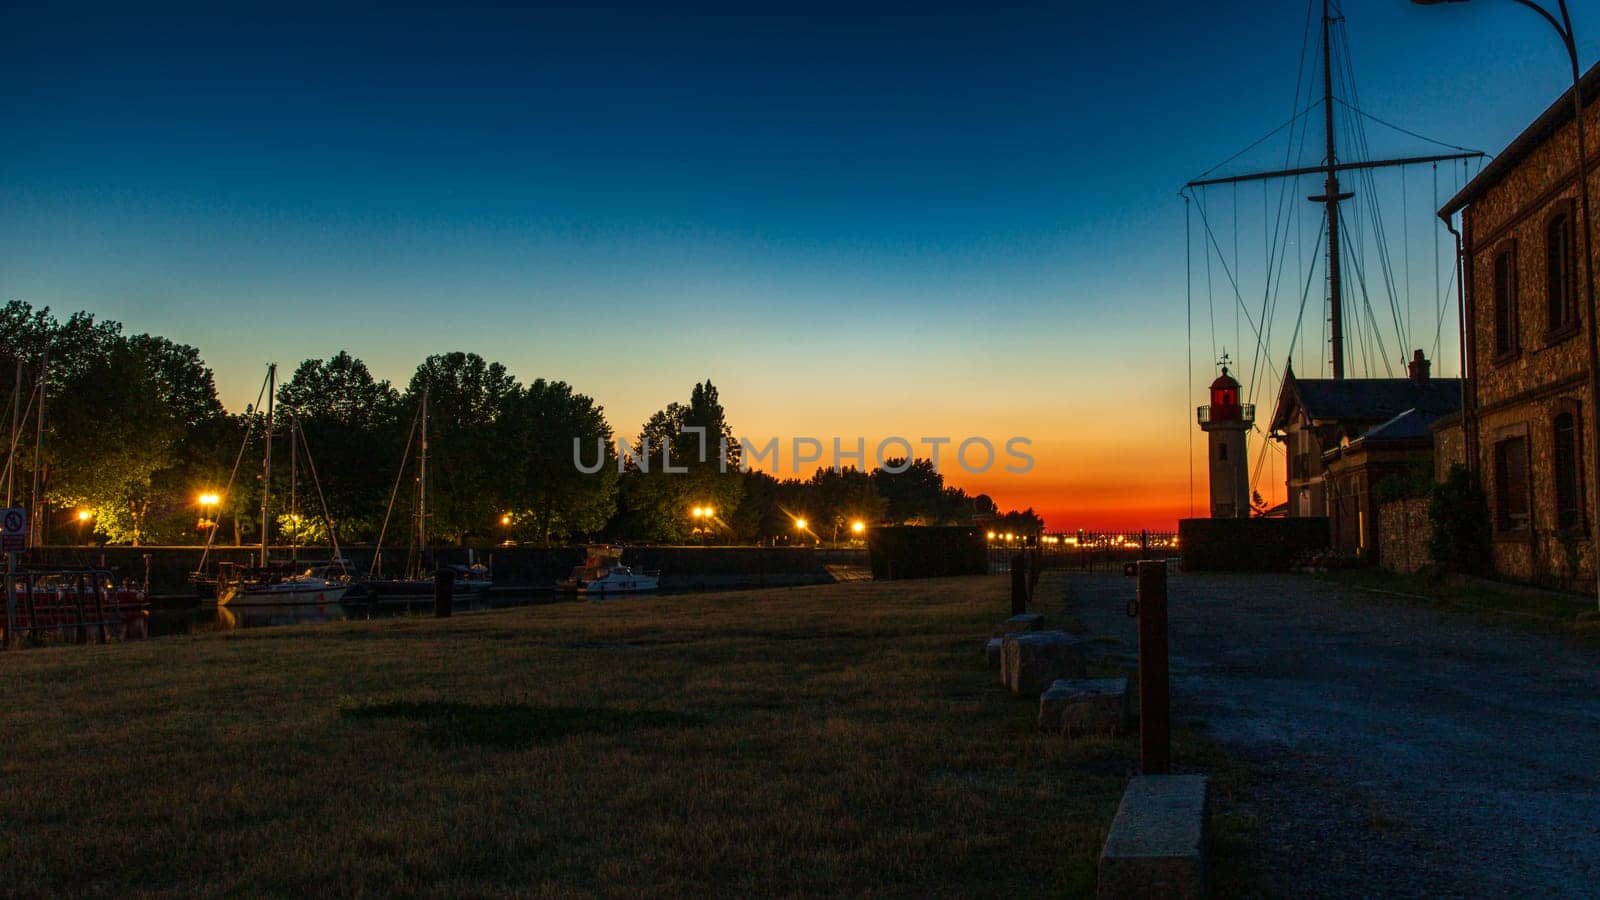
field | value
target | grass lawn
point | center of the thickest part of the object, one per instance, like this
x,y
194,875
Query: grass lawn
x,y
846,738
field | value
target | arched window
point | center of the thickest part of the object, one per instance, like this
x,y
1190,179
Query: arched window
x,y
1569,488
1505,302
1561,272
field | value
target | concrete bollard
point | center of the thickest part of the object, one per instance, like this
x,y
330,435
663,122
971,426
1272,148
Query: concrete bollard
x,y
1158,845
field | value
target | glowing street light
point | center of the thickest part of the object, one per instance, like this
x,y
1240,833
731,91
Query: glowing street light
x,y
84,515
505,519
209,499
858,526
800,524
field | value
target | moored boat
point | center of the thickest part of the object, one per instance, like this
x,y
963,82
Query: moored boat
x,y
603,573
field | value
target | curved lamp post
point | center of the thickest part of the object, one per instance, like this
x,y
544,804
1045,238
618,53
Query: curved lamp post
x,y
1563,27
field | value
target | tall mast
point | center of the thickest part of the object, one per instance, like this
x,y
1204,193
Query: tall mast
x,y
35,534
422,488
1330,197
294,484
266,461
16,429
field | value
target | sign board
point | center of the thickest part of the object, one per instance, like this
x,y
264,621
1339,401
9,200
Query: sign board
x,y
13,530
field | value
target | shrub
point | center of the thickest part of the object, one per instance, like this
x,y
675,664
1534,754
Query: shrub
x,y
1459,511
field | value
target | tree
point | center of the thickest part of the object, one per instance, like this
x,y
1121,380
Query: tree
x,y
838,497
551,497
657,503
122,418
350,422
466,395
916,495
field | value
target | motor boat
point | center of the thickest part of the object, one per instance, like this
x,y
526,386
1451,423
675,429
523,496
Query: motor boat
x,y
604,573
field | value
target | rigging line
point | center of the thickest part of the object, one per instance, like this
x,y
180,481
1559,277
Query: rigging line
x,y
250,423
383,530
1405,241
1305,295
1367,179
1439,298
1377,334
327,520
1438,328
11,457
1261,140
1188,321
1238,298
1421,137
1291,152
1211,306
1237,343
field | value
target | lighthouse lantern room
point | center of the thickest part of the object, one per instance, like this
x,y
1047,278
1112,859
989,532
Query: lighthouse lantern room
x,y
1226,422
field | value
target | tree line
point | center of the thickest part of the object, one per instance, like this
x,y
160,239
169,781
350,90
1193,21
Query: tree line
x,y
134,437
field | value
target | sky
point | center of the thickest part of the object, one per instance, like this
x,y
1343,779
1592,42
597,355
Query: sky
x,y
858,220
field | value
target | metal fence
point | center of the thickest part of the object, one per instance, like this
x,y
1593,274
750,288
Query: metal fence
x,y
1085,551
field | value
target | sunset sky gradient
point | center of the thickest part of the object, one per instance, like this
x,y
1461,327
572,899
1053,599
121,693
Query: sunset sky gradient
x,y
858,220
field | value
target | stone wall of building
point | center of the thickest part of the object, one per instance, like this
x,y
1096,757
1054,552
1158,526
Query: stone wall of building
x,y
1449,448
1403,535
1519,394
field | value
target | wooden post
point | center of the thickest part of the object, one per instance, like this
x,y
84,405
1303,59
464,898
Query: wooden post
x,y
1155,703
1019,584
444,588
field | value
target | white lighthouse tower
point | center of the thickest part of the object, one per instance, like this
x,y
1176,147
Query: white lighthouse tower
x,y
1226,422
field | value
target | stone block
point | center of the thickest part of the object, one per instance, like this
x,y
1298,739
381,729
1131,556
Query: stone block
x,y
991,653
1031,661
1086,706
1158,841
1023,622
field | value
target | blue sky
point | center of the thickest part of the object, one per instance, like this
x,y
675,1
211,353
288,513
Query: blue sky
x,y
877,205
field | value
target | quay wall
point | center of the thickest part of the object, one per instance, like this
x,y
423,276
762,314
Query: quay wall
x,y
515,568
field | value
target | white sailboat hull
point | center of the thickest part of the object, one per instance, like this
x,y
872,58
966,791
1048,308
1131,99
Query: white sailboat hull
x,y
286,593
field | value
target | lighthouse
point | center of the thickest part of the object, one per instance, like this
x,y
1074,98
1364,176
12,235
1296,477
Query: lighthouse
x,y
1226,421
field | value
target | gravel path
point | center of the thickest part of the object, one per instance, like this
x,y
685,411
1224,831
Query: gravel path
x,y
1397,750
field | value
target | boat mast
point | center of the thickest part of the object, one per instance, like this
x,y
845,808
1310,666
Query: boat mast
x,y
294,478
35,537
1330,197
422,490
16,429
266,461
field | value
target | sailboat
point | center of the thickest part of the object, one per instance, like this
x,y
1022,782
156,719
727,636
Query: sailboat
x,y
416,584
281,584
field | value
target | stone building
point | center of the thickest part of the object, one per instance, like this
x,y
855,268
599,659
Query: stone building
x,y
1524,423
1316,419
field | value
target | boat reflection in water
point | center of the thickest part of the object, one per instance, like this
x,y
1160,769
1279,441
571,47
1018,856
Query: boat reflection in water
x,y
249,615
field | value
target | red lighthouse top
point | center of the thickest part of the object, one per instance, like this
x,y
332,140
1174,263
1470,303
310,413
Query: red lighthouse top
x,y
1224,396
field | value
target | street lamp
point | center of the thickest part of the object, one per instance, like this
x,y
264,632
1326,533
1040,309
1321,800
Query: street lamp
x,y
1563,27
858,526
83,524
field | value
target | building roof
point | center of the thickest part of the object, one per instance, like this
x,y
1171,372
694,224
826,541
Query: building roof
x,y
1551,120
1411,425
1358,401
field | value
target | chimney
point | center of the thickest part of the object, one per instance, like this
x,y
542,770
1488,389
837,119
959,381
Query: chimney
x,y
1418,369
